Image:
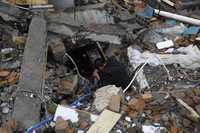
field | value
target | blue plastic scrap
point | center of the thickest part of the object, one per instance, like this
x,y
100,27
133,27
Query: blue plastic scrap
x,y
75,104
37,126
171,22
192,30
148,12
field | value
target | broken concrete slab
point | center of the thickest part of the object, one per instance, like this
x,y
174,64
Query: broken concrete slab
x,y
9,9
100,36
57,48
62,4
79,18
27,108
62,29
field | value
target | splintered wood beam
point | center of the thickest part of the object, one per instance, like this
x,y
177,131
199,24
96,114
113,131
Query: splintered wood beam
x,y
27,108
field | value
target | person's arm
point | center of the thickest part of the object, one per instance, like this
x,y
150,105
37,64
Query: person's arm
x,y
96,75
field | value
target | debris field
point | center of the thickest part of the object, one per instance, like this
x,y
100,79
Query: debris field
x,y
99,66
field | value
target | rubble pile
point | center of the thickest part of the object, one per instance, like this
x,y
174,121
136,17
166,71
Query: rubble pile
x,y
76,66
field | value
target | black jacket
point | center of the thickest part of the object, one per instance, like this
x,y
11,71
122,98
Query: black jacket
x,y
114,73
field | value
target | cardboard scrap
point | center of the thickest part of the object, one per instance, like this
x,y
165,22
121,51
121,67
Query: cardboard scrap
x,y
105,122
114,104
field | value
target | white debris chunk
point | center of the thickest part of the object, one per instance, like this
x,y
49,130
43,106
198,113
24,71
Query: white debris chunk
x,y
103,96
134,58
165,44
188,57
153,129
66,114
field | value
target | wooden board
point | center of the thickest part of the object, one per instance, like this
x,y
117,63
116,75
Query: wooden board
x,y
27,108
31,2
105,122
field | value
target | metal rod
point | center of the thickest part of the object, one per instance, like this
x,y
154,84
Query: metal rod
x,y
185,19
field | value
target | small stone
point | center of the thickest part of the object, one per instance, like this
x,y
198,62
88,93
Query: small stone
x,y
128,119
188,100
61,125
156,117
70,130
4,104
190,93
12,124
137,104
63,102
83,125
196,99
186,122
126,124
134,130
148,112
198,108
179,95
118,131
133,125
80,131
128,98
196,92
147,96
52,124
165,117
5,110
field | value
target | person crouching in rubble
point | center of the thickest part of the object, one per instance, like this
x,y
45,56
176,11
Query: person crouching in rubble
x,y
111,72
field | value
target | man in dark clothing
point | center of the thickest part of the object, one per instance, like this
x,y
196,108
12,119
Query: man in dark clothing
x,y
111,72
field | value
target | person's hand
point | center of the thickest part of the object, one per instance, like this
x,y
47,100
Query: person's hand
x,y
96,75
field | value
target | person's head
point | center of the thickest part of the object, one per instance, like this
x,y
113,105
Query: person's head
x,y
100,64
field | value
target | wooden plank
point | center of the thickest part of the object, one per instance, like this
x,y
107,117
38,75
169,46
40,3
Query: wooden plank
x,y
105,122
31,2
27,108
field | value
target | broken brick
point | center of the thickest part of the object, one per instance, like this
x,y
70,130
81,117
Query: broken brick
x,y
147,97
83,125
135,106
173,128
4,73
61,125
12,78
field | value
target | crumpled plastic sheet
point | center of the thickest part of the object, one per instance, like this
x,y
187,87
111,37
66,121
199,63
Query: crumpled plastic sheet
x,y
134,59
188,57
